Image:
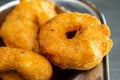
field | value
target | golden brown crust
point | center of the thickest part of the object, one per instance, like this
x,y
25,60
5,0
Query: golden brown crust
x,y
27,63
83,51
22,25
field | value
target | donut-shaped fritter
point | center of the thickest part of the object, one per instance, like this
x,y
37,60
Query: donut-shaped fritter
x,y
28,64
21,26
75,41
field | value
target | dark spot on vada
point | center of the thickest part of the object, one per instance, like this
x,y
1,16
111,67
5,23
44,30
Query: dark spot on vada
x,y
22,52
52,30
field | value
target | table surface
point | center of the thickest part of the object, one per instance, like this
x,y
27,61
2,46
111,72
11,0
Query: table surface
x,y
110,9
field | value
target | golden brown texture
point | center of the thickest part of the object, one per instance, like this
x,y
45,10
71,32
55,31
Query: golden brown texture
x,y
22,25
27,63
75,41
10,75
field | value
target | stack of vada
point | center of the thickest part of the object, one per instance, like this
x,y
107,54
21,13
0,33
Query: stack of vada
x,y
20,33
36,36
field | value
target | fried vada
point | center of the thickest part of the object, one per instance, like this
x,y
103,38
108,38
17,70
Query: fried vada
x,y
75,41
21,27
30,65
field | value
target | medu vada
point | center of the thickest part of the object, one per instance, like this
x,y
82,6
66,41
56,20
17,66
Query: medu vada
x,y
30,65
75,41
21,27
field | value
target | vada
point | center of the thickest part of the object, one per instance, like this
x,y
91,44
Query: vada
x,y
30,65
75,41
21,27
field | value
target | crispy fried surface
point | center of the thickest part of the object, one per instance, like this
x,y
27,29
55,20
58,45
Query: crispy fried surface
x,y
10,75
84,50
22,25
27,63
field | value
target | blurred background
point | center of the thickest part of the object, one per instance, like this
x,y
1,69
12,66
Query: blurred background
x,y
111,10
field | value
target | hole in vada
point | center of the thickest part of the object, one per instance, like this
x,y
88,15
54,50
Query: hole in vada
x,y
71,34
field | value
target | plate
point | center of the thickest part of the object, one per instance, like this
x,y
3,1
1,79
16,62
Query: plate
x,y
100,72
